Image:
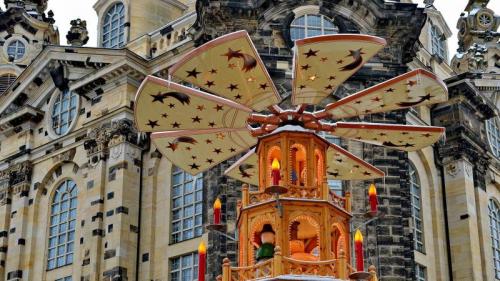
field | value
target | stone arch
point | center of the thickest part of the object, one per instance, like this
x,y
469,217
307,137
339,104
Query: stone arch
x,y
63,168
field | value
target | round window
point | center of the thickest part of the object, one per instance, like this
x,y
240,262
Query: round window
x,y
64,112
311,25
16,50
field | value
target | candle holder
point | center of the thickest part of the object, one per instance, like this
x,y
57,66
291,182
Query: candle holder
x,y
360,275
277,190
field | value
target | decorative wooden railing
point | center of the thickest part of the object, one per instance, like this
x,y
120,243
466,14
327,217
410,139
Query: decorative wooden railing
x,y
280,265
303,192
319,268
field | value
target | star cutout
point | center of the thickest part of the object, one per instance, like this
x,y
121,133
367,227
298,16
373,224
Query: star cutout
x,y
213,71
426,135
312,77
323,59
390,90
311,53
209,83
238,97
376,99
339,160
340,61
232,54
153,123
263,86
188,148
172,146
200,107
176,125
208,141
355,166
366,173
164,115
232,149
211,124
171,105
302,87
329,87
232,87
158,97
194,166
305,67
196,119
193,73
411,83
218,107
405,133
220,136
193,157
210,161
357,102
382,134
331,78
217,150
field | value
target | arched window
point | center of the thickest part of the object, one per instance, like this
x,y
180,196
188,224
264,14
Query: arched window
x,y
416,209
113,27
492,129
494,214
62,225
187,205
311,25
5,81
64,112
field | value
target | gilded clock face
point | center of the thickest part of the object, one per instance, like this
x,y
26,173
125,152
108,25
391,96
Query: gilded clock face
x,y
484,19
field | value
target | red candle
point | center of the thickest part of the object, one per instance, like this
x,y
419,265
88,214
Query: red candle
x,y
202,261
275,172
217,207
358,248
372,195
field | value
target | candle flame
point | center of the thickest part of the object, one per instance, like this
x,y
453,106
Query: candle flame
x,y
217,204
276,164
372,190
202,249
358,237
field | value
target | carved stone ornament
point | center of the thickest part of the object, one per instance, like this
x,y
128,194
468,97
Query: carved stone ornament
x,y
15,179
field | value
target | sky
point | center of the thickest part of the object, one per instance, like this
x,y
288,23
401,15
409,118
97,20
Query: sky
x,y
67,10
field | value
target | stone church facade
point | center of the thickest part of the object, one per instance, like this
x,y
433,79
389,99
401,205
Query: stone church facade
x,y
84,196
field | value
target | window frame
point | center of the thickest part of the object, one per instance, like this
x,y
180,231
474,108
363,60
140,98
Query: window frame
x,y
19,45
107,22
68,243
193,267
417,222
419,271
197,196
494,224
56,98
493,123
306,27
438,45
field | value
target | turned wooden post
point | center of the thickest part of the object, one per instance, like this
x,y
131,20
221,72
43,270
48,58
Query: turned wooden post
x,y
245,196
342,265
348,201
238,208
373,273
325,189
277,262
226,270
